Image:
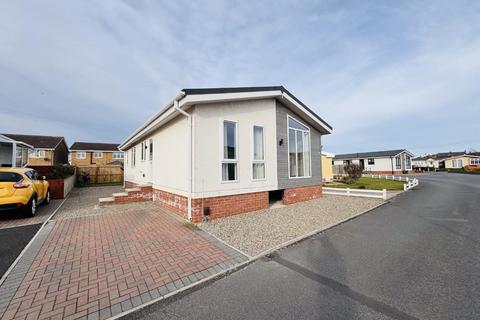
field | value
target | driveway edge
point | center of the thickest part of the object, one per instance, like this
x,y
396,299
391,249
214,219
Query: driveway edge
x,y
243,264
10,282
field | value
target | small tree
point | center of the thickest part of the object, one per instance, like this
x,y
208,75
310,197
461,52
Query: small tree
x,y
354,172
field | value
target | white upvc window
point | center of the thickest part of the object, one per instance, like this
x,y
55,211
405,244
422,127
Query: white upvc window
x,y
37,154
117,155
475,161
229,152
454,163
408,162
258,159
81,155
460,163
299,151
398,162
97,154
143,151
150,149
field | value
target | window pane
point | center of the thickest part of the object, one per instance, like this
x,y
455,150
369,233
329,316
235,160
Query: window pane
x,y
229,151
292,123
258,143
300,164
292,153
306,150
229,171
259,171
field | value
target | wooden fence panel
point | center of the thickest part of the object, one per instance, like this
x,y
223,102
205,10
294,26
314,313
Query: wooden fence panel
x,y
102,174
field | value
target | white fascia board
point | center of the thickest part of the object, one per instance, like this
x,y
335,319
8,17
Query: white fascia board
x,y
328,154
405,151
225,97
306,112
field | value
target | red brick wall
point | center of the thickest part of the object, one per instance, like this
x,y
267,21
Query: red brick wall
x,y
225,206
129,184
294,195
173,202
56,188
136,196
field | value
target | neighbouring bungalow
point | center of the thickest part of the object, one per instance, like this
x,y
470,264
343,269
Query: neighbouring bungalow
x,y
13,153
327,166
224,151
433,161
465,159
47,150
378,162
93,153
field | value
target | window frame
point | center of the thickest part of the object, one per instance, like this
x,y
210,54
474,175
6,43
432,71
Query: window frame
x,y
371,161
117,153
95,155
255,161
80,152
35,154
296,153
398,162
474,161
222,151
150,149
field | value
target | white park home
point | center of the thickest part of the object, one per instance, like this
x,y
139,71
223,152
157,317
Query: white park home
x,y
224,151
379,162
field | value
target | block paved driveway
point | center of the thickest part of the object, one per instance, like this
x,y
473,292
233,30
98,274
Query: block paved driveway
x,y
97,266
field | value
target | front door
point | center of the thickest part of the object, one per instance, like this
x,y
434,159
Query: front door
x,y
362,163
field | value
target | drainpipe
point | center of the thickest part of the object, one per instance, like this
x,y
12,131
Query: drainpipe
x,y
14,155
190,154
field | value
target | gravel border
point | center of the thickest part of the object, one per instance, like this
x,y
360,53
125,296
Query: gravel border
x,y
259,231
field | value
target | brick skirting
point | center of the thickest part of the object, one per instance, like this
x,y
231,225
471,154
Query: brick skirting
x,y
222,206
171,201
293,195
225,206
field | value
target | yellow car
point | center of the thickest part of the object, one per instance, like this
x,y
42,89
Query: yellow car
x,y
22,188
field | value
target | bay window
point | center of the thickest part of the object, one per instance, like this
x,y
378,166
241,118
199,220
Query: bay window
x,y
398,162
258,165
299,151
229,156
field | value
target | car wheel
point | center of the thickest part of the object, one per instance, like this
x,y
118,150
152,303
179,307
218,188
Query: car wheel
x,y
47,197
31,208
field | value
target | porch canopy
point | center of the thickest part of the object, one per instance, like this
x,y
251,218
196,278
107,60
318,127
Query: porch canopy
x,y
13,153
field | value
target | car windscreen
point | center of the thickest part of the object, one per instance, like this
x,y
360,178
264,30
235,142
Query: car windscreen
x,y
10,177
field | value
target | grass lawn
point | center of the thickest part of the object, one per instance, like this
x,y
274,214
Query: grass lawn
x,y
370,183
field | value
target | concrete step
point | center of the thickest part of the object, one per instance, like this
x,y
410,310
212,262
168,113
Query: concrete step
x,y
106,200
132,190
120,194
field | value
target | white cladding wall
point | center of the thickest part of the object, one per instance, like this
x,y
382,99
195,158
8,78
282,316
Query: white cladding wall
x,y
209,143
169,169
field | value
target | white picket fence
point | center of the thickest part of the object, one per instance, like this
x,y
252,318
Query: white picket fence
x,y
410,184
387,177
381,194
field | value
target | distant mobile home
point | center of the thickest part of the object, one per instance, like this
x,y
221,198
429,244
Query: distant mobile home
x,y
224,151
378,162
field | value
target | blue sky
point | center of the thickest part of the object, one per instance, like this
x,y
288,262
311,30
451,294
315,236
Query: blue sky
x,y
384,74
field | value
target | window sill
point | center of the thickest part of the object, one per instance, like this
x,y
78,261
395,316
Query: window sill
x,y
232,181
293,178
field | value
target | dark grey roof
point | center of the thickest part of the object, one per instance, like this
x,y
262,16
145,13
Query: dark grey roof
x,y
84,146
444,155
42,142
373,154
252,89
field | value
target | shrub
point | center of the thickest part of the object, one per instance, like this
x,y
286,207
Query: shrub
x,y
60,171
354,172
